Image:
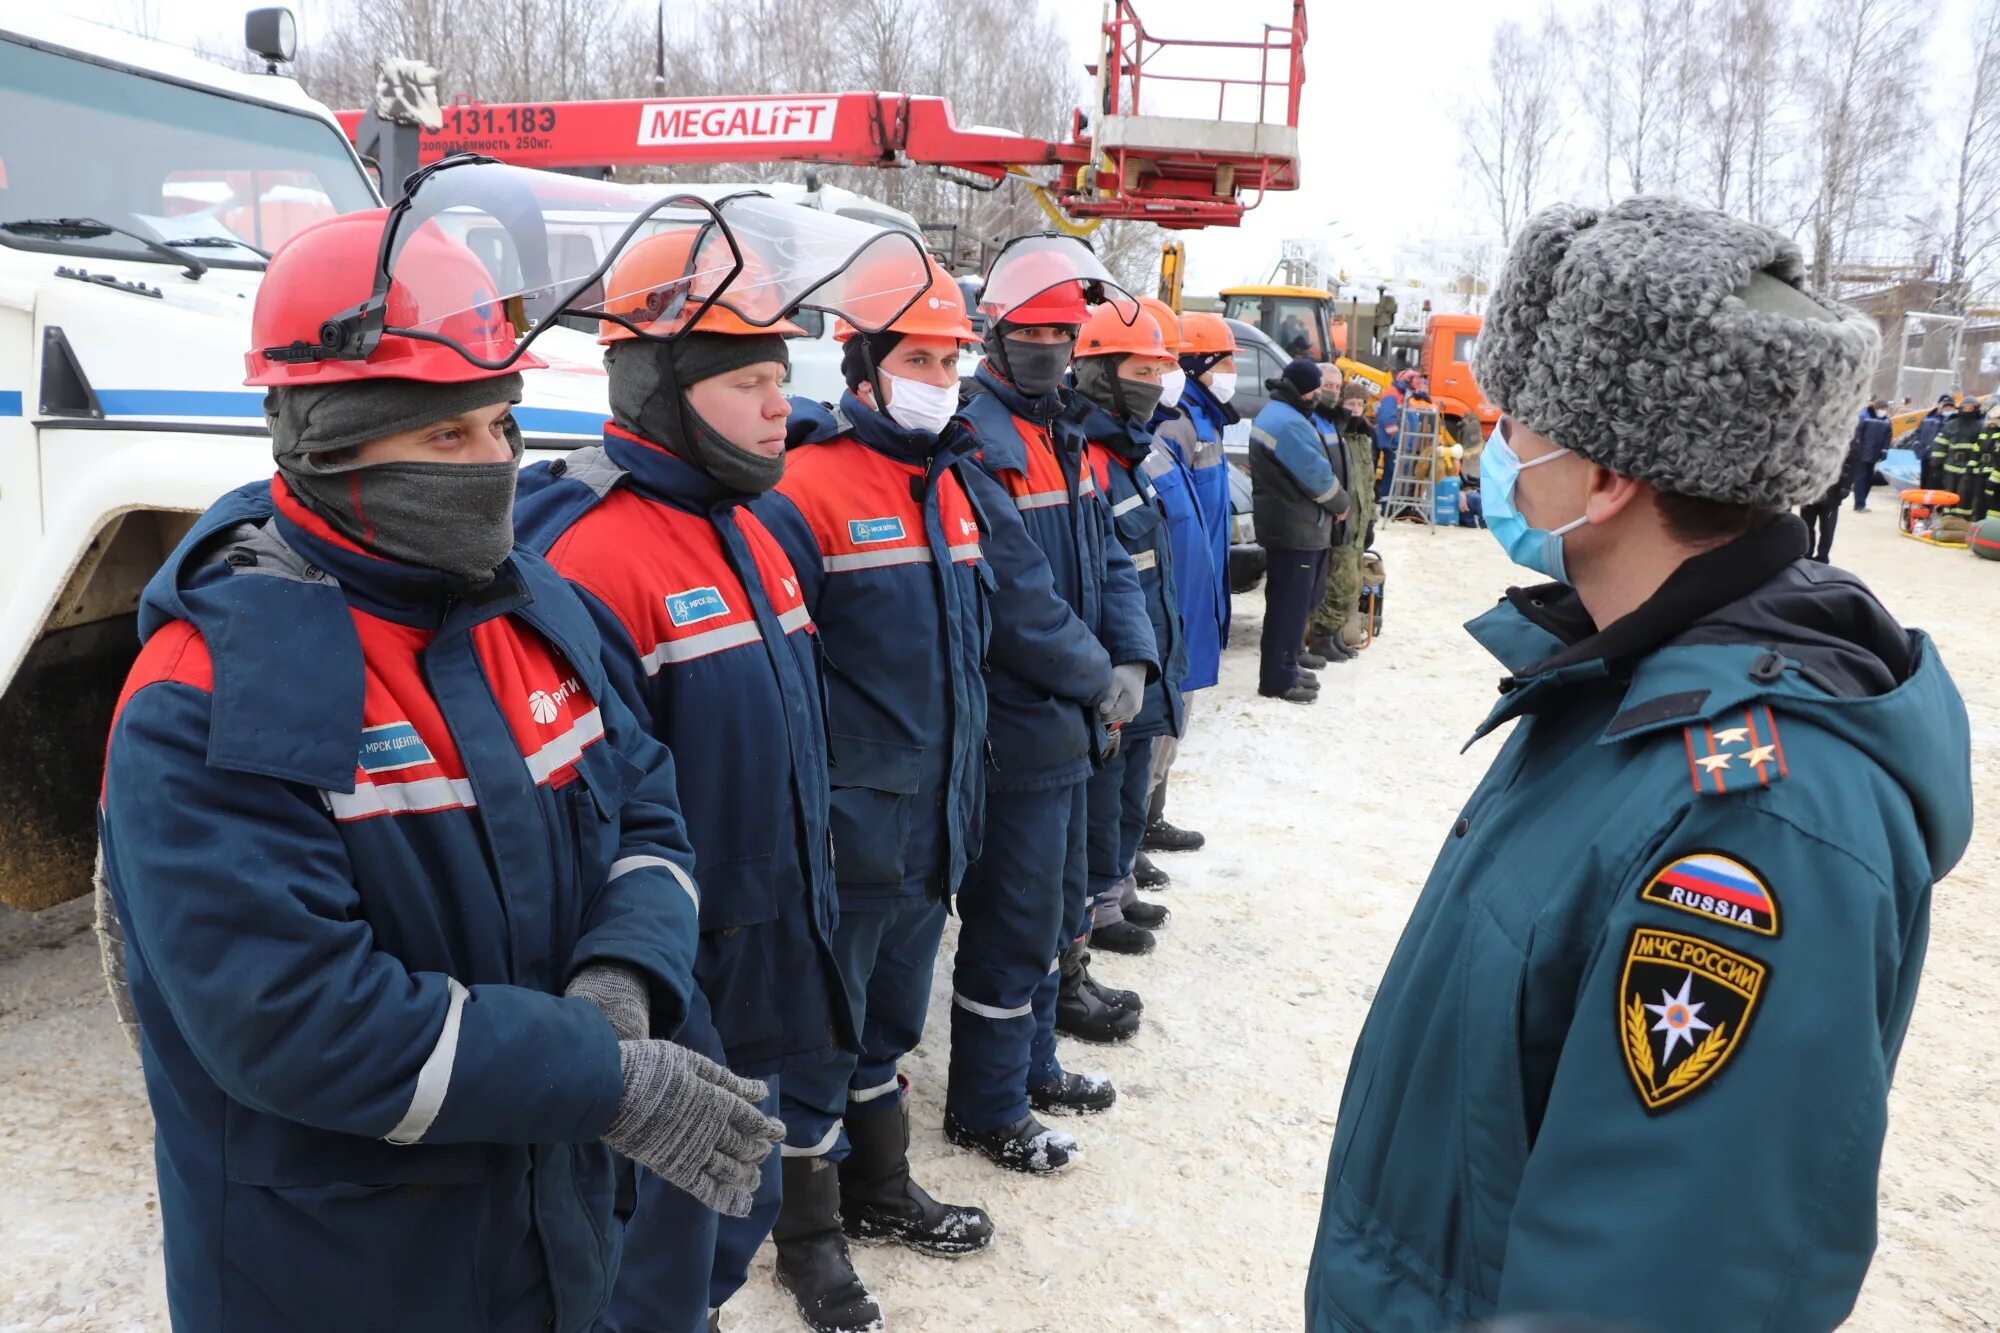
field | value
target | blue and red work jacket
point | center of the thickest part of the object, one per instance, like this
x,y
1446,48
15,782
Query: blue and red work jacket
x,y
707,638
1033,449
361,825
1125,466
873,517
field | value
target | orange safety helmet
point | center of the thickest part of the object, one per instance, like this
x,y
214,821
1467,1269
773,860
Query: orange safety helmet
x,y
1170,323
938,313
1105,333
328,269
1204,333
644,281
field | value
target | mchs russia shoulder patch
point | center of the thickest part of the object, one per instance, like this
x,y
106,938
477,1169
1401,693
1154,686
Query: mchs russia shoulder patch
x,y
1683,1007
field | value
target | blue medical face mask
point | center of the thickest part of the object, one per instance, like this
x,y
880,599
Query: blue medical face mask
x,y
1530,547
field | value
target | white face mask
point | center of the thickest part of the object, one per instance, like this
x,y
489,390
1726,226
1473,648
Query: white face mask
x,y
915,405
1222,383
1171,385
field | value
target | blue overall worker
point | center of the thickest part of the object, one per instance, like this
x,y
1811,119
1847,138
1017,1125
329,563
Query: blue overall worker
x,y
406,896
916,569
1119,372
1665,961
1025,900
1193,483
708,639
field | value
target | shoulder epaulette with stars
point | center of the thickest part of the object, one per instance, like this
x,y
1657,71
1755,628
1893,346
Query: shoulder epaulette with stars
x,y
1725,753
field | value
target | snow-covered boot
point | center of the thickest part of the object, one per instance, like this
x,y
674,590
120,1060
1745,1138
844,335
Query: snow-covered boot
x,y
812,1253
1026,1145
1149,876
1074,1094
879,1202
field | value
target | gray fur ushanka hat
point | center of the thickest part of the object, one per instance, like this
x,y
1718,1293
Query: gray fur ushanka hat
x,y
1676,345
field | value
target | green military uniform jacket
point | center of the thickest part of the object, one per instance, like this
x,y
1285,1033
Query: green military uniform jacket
x,y
1631,1058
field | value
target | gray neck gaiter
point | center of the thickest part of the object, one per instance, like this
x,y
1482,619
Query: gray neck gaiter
x,y
454,517
643,402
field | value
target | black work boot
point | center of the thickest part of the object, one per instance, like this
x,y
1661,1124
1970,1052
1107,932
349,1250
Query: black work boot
x,y
812,1254
1297,694
1123,937
1161,836
1142,913
1087,1011
1074,1094
879,1202
1149,876
715,1321
1026,1145
1309,658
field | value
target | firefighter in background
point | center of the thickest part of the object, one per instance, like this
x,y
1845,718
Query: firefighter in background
x,y
708,639
1024,905
1959,469
1981,499
916,569
1120,372
405,892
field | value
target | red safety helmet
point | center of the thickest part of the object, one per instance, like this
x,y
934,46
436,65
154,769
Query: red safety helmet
x,y
938,313
1061,304
1049,279
439,287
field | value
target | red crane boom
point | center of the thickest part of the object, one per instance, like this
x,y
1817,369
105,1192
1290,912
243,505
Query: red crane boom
x,y
1178,171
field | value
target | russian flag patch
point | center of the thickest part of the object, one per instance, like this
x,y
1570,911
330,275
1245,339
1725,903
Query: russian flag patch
x,y
1716,887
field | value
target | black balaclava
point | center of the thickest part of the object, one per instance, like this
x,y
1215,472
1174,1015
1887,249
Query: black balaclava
x,y
1033,368
648,380
1098,378
454,517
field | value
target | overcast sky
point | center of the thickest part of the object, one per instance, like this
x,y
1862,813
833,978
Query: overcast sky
x,y
1379,133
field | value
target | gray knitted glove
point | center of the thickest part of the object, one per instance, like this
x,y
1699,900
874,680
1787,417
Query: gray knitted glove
x,y
1128,691
693,1123
621,992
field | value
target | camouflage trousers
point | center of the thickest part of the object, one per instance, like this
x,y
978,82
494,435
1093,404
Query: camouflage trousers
x,y
1343,591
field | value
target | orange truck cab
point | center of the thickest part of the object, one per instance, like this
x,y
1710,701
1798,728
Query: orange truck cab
x,y
1446,361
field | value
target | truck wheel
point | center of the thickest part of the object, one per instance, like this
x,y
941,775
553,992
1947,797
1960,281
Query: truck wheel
x,y
111,954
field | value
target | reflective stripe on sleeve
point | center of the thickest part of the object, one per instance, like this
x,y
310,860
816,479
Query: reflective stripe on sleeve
x,y
434,1079
625,865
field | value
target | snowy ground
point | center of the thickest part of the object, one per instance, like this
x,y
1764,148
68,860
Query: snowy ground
x,y
1196,1202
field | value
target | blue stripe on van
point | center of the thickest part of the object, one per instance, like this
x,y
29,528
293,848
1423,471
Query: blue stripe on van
x,y
250,403
10,403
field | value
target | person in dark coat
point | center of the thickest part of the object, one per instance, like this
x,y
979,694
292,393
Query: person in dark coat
x,y
1872,436
1297,502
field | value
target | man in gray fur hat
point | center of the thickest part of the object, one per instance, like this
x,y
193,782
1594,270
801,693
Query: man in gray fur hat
x,y
1631,1058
